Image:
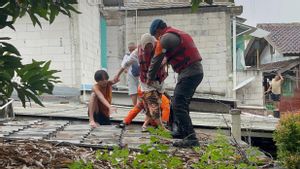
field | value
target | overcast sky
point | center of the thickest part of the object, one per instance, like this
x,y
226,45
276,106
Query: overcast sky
x,y
270,11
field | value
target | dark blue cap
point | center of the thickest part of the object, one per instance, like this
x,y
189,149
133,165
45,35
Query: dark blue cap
x,y
154,25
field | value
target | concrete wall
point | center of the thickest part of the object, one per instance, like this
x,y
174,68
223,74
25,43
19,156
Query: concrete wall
x,y
89,42
51,42
211,31
253,92
72,44
116,45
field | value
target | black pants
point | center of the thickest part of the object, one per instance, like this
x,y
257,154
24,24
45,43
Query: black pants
x,y
275,97
101,119
183,93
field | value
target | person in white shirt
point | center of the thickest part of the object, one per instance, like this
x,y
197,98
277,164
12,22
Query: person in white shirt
x,y
132,74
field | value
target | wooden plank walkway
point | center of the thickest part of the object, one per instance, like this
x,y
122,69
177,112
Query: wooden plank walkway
x,y
255,124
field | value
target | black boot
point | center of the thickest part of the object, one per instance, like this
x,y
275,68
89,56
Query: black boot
x,y
177,131
177,135
189,141
186,143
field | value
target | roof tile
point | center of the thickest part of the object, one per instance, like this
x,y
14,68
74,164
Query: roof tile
x,y
283,36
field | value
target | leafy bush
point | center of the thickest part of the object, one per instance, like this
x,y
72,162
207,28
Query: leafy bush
x,y
287,137
29,80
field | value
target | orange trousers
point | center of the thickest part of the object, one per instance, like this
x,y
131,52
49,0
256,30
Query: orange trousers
x,y
165,108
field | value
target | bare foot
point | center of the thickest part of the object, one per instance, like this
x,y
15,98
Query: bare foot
x,y
93,124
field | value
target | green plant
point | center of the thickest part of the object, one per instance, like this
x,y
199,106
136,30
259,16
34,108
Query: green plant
x,y
160,132
118,157
221,154
46,9
153,155
81,165
287,137
270,107
34,79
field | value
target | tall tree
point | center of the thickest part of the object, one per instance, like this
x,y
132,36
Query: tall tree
x,y
33,79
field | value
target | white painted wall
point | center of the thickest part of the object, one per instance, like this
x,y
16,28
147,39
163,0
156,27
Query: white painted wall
x,y
72,44
89,43
51,42
252,93
115,48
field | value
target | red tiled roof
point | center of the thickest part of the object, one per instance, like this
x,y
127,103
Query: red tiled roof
x,y
285,37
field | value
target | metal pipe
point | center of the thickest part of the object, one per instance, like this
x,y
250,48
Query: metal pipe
x,y
257,58
126,37
2,107
234,75
136,26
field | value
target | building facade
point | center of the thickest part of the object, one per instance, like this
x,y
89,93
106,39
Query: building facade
x,y
72,44
275,50
210,28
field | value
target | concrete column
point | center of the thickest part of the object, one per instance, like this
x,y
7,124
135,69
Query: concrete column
x,y
236,124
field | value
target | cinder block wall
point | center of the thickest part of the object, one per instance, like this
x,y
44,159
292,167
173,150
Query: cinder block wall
x,y
88,42
211,31
116,45
72,44
51,42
